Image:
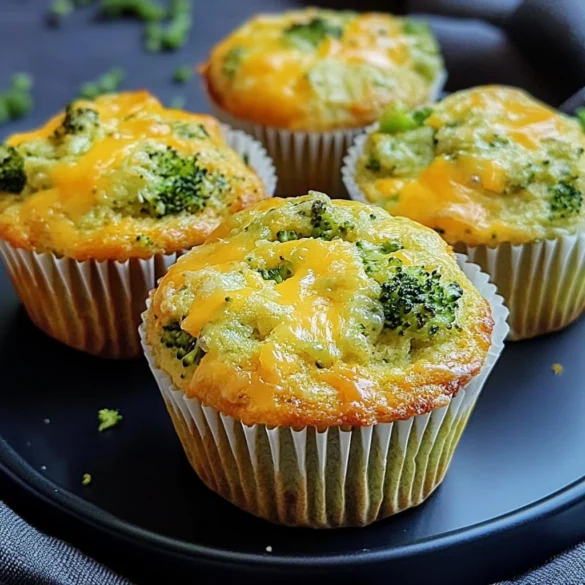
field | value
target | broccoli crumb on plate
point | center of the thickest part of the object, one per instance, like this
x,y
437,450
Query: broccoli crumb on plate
x,y
108,418
557,369
86,479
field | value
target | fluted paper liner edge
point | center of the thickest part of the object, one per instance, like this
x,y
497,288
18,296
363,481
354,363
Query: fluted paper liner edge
x,y
305,160
543,282
337,477
96,306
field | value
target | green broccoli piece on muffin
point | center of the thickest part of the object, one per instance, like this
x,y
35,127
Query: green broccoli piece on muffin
x,y
565,201
417,302
77,121
375,257
397,118
183,185
324,223
184,345
308,36
108,418
279,273
287,235
232,61
12,174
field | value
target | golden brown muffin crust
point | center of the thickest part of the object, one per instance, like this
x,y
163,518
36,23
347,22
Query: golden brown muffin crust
x,y
308,311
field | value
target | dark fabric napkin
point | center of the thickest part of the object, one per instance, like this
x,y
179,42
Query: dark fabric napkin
x,y
29,557
550,33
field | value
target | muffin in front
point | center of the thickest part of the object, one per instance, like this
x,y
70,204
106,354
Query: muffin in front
x,y
301,329
95,204
303,81
501,177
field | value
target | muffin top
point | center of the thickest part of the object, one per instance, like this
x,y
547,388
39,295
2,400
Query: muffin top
x,y
321,69
120,177
483,166
307,311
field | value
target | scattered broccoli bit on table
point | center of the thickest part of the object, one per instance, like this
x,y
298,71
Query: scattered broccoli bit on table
x,y
16,102
557,369
108,418
183,74
107,83
12,174
86,479
397,118
147,10
185,344
232,60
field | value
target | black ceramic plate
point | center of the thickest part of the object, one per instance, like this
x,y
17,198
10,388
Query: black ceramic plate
x,y
519,463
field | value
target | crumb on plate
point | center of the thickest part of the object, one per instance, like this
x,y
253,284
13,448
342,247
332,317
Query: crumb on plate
x,y
108,418
557,369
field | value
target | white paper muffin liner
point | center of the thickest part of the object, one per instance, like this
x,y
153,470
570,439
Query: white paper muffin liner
x,y
95,306
543,283
305,160
334,477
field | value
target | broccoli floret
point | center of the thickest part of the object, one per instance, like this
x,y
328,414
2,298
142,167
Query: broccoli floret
x,y
415,301
373,164
184,185
396,118
375,257
184,344
190,131
565,201
581,117
144,240
415,27
183,74
325,226
310,35
287,235
12,174
108,418
279,273
147,10
232,60
77,121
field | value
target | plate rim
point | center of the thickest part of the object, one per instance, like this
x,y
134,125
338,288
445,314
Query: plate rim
x,y
41,487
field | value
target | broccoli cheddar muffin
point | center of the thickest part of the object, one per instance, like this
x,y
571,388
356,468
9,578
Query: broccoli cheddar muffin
x,y
500,176
96,203
304,80
304,324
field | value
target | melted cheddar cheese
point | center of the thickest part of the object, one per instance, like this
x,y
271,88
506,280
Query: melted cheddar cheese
x,y
123,177
315,344
488,165
322,70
